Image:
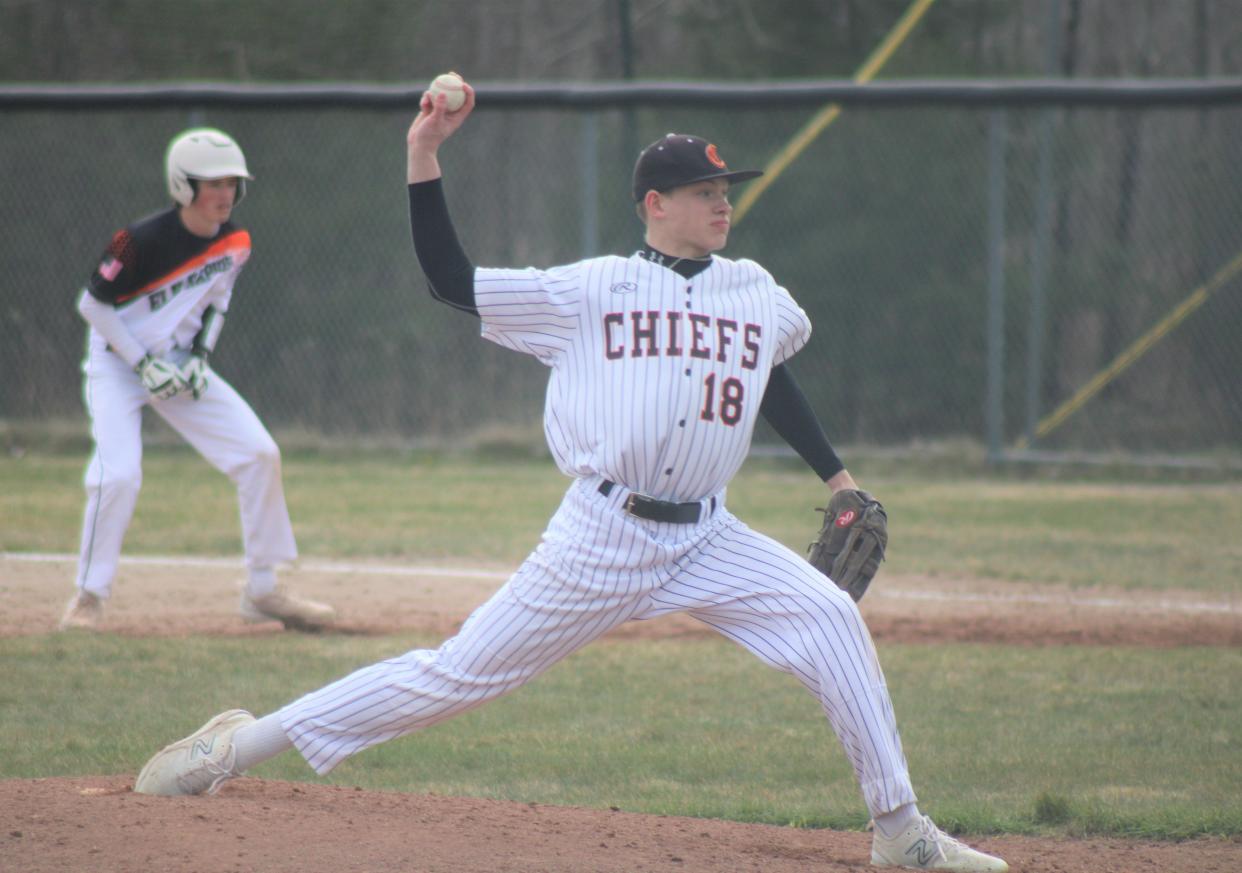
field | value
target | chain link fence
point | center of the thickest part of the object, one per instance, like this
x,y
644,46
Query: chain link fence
x,y
1001,264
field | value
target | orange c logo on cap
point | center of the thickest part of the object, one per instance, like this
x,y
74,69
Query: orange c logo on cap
x,y
714,157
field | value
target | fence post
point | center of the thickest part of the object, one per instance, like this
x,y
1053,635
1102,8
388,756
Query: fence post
x,y
1036,330
994,411
588,162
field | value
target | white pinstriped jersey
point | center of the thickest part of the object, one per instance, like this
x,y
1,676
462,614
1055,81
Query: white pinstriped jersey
x,y
656,379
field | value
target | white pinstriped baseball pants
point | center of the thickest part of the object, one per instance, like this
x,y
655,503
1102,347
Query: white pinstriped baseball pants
x,y
596,568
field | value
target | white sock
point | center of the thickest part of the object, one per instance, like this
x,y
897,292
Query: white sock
x,y
892,824
262,581
258,741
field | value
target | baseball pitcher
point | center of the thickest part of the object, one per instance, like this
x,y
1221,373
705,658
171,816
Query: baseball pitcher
x,y
659,364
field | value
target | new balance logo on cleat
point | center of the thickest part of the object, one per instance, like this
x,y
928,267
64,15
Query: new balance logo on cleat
x,y
198,764
923,846
922,852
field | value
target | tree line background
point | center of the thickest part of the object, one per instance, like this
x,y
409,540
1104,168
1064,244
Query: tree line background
x,y
880,229
400,40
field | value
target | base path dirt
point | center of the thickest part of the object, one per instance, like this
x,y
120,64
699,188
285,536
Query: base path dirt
x,y
99,824
179,596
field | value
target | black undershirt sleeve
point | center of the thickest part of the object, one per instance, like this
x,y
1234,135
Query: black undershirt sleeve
x,y
450,275
785,407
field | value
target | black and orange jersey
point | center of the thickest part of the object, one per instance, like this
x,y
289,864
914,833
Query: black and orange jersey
x,y
148,250
160,277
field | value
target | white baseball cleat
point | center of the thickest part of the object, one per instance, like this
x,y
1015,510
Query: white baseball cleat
x,y
923,846
295,613
202,762
83,612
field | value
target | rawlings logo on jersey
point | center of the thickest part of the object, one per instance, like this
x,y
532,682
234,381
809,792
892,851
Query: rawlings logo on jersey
x,y
624,287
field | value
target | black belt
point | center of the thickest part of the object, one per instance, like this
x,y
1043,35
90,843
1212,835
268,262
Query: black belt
x,y
642,506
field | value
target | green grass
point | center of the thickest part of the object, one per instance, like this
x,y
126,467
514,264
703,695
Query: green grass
x,y
1129,535
464,509
1073,740
341,507
1070,740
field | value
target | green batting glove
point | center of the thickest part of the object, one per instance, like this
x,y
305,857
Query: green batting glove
x,y
159,377
194,374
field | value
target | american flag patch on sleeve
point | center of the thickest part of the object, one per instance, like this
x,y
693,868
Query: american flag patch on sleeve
x,y
110,268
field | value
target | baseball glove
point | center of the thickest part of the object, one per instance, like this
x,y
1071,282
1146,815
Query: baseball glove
x,y
851,543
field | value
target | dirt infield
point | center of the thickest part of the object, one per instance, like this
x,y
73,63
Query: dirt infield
x,y
99,824
171,597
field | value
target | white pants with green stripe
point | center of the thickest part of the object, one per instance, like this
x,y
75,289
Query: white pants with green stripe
x,y
220,425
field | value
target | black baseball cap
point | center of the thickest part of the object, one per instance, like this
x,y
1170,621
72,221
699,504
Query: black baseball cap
x,y
678,159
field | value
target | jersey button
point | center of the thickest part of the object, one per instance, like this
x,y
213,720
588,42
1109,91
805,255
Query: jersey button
x,y
668,472
687,371
681,423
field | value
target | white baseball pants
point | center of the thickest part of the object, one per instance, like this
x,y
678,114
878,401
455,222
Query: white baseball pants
x,y
596,568
224,430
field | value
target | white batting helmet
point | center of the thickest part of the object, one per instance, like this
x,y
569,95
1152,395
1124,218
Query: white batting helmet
x,y
203,153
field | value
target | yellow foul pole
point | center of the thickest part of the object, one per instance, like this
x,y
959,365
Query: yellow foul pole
x,y
1135,350
829,113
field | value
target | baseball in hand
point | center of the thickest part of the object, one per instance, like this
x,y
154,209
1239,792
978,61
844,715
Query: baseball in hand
x,y
449,84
